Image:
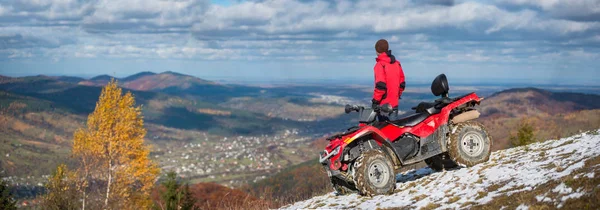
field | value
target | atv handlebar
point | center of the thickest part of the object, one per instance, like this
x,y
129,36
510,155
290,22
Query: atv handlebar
x,y
387,108
352,108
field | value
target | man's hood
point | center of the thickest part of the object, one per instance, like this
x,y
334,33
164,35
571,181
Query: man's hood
x,y
386,57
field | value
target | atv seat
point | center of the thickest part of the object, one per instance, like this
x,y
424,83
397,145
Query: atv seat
x,y
433,107
411,120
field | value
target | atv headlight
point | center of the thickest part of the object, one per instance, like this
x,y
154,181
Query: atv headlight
x,y
326,155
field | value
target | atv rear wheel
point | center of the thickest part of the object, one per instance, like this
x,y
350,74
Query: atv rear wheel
x,y
440,162
469,144
373,173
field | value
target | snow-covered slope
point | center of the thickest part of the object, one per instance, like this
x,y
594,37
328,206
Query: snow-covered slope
x,y
554,173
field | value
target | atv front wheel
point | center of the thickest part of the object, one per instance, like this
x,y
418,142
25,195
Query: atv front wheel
x,y
373,173
440,162
469,144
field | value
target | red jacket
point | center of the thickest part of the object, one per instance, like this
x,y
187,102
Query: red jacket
x,y
389,80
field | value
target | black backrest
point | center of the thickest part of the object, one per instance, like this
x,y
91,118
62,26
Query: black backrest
x,y
439,86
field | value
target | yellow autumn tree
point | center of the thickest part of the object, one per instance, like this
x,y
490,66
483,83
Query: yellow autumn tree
x,y
115,171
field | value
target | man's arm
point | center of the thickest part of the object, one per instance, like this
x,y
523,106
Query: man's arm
x,y
380,85
402,82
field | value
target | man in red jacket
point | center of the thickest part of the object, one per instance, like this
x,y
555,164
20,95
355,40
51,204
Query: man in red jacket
x,y
389,80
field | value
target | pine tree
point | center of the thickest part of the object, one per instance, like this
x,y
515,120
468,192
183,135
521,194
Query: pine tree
x,y
188,201
172,195
62,193
175,196
111,151
7,201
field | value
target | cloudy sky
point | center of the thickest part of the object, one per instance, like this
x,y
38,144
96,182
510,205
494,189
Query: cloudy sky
x,y
544,41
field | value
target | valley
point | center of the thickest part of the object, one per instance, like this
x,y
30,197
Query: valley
x,y
236,135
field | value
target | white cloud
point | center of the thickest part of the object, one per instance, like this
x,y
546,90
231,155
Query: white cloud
x,y
588,10
440,31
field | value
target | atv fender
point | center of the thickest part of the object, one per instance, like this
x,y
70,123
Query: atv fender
x,y
466,116
374,133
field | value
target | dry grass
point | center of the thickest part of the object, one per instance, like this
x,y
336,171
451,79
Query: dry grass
x,y
481,194
470,203
419,198
496,186
453,199
488,165
319,205
426,182
431,206
513,189
565,155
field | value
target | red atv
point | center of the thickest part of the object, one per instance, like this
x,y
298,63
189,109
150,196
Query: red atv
x,y
367,157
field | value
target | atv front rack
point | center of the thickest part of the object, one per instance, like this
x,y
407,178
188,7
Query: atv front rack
x,y
322,158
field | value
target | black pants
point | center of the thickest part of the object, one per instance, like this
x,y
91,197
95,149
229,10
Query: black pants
x,y
383,117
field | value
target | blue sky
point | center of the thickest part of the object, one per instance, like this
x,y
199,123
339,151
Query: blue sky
x,y
539,41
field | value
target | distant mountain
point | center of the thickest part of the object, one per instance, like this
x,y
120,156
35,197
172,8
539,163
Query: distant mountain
x,y
171,83
137,76
545,101
34,84
103,77
69,79
553,114
148,81
100,80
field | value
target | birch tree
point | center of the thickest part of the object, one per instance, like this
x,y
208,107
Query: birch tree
x,y
115,171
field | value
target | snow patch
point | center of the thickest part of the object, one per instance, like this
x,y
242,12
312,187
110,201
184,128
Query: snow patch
x,y
522,207
562,189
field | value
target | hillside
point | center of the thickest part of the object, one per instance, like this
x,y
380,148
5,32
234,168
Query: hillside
x,y
240,135
215,196
170,110
33,131
38,116
546,175
295,183
38,128
552,114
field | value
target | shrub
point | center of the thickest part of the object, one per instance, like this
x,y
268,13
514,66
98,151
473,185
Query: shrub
x,y
525,135
6,199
